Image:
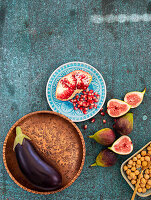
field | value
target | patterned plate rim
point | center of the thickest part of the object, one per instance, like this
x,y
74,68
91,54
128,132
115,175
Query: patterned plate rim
x,y
105,91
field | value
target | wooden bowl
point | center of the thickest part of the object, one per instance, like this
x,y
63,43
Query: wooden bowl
x,y
148,192
57,139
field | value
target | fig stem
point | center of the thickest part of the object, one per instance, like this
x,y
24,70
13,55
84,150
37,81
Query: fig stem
x,y
144,91
91,136
93,165
19,137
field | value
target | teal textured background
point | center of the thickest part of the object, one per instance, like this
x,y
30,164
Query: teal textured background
x,y
36,37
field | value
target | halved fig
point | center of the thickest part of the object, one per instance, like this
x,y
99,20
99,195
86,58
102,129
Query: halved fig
x,y
134,98
117,108
71,84
122,146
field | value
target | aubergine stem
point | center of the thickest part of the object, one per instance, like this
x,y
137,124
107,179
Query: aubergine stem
x,y
19,137
93,165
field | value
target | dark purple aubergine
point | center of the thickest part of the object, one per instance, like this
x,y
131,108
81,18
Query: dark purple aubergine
x,y
35,169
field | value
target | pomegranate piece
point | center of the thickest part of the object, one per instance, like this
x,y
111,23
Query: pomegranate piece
x,y
71,84
84,112
75,108
85,127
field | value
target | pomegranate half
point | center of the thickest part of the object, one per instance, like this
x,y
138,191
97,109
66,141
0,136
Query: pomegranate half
x,y
71,84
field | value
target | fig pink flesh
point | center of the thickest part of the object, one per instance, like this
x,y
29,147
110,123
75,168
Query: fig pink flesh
x,y
116,108
133,99
125,145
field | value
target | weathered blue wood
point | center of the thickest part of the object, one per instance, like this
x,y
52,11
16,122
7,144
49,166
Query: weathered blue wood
x,y
35,38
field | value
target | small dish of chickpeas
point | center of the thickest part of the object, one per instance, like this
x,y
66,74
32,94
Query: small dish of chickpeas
x,y
132,167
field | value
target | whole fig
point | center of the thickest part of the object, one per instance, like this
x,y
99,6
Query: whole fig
x,y
104,136
106,158
124,124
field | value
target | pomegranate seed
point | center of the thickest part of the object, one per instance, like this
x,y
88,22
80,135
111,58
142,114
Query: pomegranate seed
x,y
81,108
74,100
80,103
97,96
77,97
90,94
86,109
84,112
84,104
115,120
96,100
101,109
91,91
86,99
74,104
88,104
78,106
90,98
106,111
85,96
95,93
90,107
102,113
85,127
92,120
75,108
95,106
87,90
84,92
93,97
104,121
71,100
81,96
81,99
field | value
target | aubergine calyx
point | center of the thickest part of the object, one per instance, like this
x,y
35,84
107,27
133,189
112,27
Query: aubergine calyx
x,y
19,137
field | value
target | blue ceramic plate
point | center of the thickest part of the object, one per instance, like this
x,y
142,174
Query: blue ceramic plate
x,y
66,107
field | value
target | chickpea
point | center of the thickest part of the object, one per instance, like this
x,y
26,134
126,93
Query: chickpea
x,y
142,159
138,162
133,182
138,156
147,171
129,166
143,153
147,158
143,181
143,190
135,159
134,164
130,162
144,163
139,190
136,172
138,166
149,152
148,186
129,178
133,169
150,175
140,175
146,176
149,148
142,185
135,177
128,172
149,182
132,174
125,168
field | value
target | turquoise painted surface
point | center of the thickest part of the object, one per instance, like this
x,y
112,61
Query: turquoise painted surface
x,y
38,36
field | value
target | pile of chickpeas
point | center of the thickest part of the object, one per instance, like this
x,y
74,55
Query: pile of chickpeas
x,y
133,170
